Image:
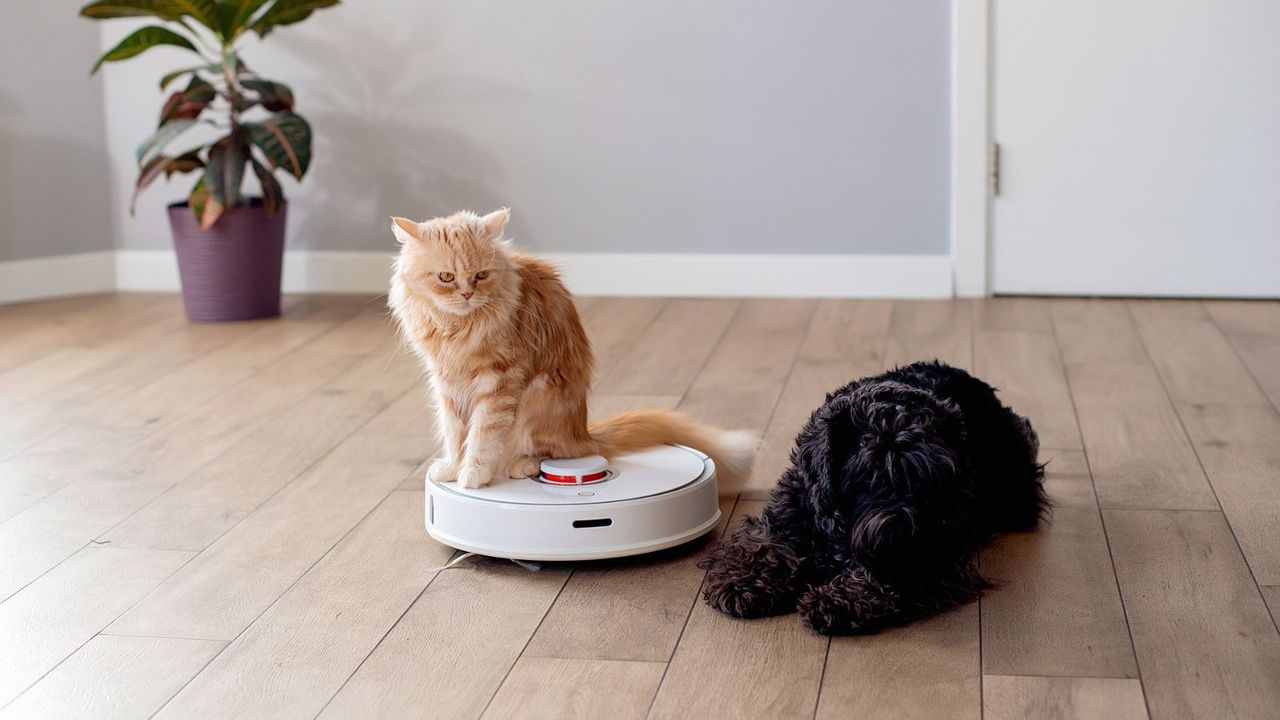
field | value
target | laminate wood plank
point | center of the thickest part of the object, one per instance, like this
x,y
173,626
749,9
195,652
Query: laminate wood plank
x,y
667,356
1097,331
1239,446
182,360
37,329
453,648
49,619
572,688
845,340
214,597
105,452
97,447
614,324
1137,448
726,667
603,406
104,484
155,403
1009,697
273,670
113,677
89,350
1253,329
1193,357
929,669
741,381
1015,314
1026,369
1206,646
1055,608
625,609
222,492
61,401
153,371
1271,594
931,330
21,318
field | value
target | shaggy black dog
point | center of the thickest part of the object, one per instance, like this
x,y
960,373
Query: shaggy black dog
x,y
894,484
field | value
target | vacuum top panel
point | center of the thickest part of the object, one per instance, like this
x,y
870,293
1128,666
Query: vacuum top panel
x,y
635,475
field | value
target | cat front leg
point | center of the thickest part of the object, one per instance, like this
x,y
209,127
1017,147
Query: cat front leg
x,y
489,441
452,430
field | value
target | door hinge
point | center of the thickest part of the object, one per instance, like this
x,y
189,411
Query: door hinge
x,y
993,165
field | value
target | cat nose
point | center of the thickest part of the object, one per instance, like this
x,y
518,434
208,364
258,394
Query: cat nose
x,y
467,295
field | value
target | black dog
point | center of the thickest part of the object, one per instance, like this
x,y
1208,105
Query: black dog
x,y
894,484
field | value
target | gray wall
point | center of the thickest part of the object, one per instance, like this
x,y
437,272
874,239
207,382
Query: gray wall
x,y
714,126
54,189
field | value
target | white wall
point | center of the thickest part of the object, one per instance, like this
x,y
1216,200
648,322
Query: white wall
x,y
722,126
54,184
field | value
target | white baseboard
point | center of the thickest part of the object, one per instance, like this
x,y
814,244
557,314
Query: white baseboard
x,y
304,271
618,274
57,276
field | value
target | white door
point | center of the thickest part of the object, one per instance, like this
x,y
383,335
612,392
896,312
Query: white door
x,y
1139,147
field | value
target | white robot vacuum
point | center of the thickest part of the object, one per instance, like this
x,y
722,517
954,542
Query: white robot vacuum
x,y
582,508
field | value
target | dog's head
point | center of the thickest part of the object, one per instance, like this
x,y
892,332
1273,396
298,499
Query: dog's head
x,y
878,455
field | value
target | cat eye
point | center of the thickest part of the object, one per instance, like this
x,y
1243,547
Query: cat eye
x,y
482,274
445,277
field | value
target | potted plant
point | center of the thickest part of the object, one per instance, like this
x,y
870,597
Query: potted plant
x,y
230,247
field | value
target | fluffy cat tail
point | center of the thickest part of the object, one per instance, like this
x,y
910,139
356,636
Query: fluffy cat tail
x,y
733,451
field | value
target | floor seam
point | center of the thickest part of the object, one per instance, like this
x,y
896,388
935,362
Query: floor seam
x,y
1195,450
675,647
498,688
1102,520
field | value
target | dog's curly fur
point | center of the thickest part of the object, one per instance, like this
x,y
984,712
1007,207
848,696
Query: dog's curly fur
x,y
894,484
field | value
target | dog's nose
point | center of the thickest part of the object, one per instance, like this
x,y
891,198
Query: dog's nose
x,y
467,295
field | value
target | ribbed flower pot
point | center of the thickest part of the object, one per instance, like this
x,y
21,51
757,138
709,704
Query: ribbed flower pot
x,y
232,270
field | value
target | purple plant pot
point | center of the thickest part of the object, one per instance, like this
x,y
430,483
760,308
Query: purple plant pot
x,y
232,270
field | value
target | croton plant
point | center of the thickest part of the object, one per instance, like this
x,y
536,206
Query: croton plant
x,y
262,130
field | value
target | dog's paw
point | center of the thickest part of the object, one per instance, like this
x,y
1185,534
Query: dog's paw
x,y
523,467
826,614
746,598
443,470
853,603
472,477
817,613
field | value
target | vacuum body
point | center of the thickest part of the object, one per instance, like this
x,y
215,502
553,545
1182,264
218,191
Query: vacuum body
x,y
582,509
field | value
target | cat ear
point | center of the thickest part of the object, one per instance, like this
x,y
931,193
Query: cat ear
x,y
493,223
405,230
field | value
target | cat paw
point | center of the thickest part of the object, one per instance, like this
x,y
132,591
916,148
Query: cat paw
x,y
443,470
524,467
472,477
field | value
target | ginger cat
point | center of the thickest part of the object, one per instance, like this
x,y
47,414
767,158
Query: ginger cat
x,y
509,363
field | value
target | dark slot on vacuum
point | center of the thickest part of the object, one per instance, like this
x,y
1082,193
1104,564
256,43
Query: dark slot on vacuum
x,y
602,522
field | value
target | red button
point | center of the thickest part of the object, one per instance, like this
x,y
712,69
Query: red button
x,y
573,479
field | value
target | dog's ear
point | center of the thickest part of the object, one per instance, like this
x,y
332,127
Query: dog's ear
x,y
824,447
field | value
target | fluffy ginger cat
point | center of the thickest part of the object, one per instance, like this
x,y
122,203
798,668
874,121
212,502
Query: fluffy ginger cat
x,y
509,363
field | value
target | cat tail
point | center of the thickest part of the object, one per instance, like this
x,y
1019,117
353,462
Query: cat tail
x,y
733,451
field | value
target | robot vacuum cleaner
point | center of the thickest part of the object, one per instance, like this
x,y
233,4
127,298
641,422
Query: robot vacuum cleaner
x,y
582,508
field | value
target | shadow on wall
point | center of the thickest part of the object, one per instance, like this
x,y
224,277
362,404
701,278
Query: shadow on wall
x,y
49,188
377,152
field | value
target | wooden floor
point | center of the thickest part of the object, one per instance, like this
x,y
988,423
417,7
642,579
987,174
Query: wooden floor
x,y
226,520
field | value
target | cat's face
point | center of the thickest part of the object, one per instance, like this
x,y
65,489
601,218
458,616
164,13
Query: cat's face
x,y
457,263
